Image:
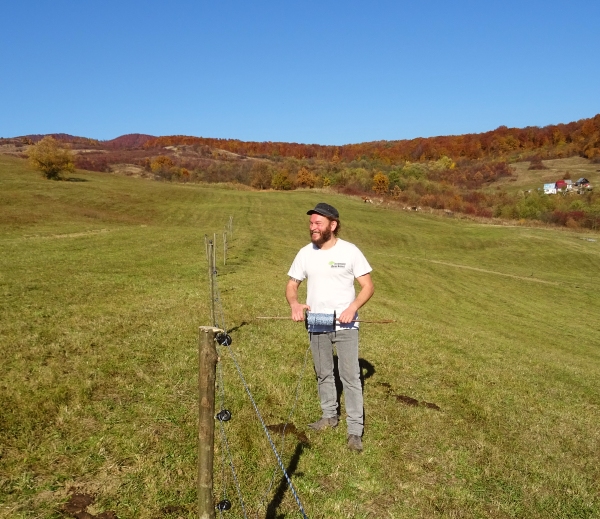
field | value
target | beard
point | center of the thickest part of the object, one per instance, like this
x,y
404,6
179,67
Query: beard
x,y
320,238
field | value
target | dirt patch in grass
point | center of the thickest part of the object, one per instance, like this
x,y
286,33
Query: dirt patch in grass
x,y
77,506
288,429
172,510
408,400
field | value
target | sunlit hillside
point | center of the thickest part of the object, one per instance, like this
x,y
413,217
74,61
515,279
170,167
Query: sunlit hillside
x,y
481,399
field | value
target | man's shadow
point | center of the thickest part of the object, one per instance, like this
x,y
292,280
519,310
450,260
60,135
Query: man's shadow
x,y
367,370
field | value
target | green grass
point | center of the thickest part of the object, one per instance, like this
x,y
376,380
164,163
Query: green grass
x,y
103,285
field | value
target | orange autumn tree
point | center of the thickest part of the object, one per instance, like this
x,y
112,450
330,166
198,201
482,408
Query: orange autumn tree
x,y
306,178
381,183
161,164
51,158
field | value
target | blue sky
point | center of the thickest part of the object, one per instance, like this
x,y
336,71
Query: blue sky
x,y
326,72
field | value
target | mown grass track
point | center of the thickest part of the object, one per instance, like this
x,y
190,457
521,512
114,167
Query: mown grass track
x,y
103,284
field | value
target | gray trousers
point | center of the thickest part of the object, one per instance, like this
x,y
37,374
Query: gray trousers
x,y
346,344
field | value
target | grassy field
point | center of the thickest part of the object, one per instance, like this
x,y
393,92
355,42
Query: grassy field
x,y
103,286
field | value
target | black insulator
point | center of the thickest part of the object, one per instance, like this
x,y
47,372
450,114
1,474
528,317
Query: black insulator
x,y
223,339
223,505
224,415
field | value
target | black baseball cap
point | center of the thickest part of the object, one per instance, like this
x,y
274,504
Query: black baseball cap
x,y
325,210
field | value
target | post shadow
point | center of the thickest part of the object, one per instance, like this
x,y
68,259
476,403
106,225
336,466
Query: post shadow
x,y
235,329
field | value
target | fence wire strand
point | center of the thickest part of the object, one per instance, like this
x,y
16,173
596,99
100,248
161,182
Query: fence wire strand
x,y
220,318
289,417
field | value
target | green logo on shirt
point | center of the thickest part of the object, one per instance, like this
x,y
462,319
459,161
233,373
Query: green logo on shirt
x,y
335,265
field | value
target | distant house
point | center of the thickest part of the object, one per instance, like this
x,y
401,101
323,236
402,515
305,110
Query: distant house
x,y
561,185
550,189
569,184
582,182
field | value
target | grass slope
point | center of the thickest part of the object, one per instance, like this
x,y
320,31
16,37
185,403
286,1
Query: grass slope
x,y
103,284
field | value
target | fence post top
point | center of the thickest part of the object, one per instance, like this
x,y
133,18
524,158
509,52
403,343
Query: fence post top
x,y
207,329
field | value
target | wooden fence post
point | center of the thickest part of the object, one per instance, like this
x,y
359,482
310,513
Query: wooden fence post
x,y
207,367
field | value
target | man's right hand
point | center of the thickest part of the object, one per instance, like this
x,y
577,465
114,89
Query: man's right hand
x,y
298,311
291,294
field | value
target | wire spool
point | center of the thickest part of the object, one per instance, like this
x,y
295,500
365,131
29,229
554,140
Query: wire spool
x,y
322,320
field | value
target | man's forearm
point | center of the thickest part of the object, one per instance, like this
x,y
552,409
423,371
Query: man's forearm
x,y
367,289
363,296
291,292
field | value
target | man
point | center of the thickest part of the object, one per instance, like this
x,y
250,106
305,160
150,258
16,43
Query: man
x,y
331,266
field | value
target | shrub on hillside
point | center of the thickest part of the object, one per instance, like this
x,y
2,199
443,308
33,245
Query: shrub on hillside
x,y
306,178
91,162
51,158
381,183
261,175
536,163
282,181
471,176
561,217
161,164
396,193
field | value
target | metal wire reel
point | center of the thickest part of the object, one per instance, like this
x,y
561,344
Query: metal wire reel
x,y
316,319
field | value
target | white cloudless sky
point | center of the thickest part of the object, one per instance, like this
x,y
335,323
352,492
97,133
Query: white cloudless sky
x,y
326,72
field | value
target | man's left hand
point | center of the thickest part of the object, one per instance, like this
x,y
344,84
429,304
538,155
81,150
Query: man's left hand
x,y
347,316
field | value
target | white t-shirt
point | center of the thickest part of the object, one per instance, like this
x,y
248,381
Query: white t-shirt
x,y
331,275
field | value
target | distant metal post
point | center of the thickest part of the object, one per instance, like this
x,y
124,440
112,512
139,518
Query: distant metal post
x,y
215,249
207,367
211,279
224,248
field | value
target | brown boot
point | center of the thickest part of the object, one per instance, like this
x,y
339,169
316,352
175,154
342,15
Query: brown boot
x,y
355,443
323,423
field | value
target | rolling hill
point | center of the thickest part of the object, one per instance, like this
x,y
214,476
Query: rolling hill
x,y
104,285
485,175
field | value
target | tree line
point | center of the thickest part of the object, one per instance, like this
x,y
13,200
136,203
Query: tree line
x,y
457,181
554,141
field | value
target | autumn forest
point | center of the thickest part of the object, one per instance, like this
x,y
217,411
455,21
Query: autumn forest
x,y
465,174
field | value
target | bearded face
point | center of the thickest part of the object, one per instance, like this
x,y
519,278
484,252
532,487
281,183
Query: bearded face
x,y
320,230
319,237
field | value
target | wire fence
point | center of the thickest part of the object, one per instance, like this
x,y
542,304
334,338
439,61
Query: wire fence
x,y
226,455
